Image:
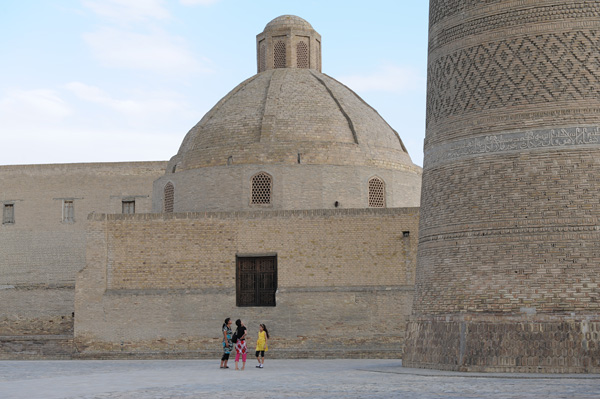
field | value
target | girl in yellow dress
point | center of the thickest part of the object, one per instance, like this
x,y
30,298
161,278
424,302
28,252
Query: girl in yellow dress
x,y
261,345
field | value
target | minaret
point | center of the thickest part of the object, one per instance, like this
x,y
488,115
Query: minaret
x,y
288,42
508,269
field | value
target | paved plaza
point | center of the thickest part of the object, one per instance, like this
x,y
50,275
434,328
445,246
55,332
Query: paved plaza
x,y
279,379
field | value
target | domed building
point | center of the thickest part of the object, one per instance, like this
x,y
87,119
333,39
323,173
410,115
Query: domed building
x,y
290,137
291,203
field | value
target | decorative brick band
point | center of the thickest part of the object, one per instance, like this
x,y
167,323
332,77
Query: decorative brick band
x,y
519,72
261,214
511,142
516,18
541,230
281,290
441,9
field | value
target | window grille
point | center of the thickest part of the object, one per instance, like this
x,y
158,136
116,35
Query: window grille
x,y
302,55
262,58
256,281
169,198
128,207
262,185
8,214
68,214
279,55
376,193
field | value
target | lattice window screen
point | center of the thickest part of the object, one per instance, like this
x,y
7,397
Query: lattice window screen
x,y
262,185
376,193
169,197
279,56
302,55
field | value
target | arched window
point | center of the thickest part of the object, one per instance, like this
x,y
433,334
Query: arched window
x,y
169,197
302,55
262,186
279,56
376,193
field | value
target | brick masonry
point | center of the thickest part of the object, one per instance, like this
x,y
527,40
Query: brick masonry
x,y
41,253
507,276
159,285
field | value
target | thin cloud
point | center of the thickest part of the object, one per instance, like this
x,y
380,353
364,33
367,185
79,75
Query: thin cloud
x,y
86,144
198,2
27,105
126,11
388,78
157,51
150,107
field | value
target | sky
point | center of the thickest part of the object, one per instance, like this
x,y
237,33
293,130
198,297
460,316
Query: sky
x,y
125,80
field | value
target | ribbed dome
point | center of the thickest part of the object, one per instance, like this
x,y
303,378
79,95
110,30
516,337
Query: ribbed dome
x,y
286,21
278,114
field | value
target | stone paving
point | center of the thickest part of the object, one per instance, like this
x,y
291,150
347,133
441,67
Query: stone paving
x,y
279,379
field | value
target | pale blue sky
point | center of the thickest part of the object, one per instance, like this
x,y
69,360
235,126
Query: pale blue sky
x,y
124,80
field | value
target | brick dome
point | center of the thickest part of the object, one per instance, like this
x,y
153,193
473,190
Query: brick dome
x,y
276,115
285,21
289,138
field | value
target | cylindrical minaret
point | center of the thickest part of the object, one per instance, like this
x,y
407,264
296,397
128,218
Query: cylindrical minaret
x,y
509,250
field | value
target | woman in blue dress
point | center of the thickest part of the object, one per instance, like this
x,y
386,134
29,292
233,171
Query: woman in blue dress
x,y
227,344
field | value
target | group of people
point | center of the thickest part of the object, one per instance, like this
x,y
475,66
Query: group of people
x,y
238,338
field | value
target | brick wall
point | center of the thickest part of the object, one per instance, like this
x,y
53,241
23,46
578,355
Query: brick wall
x,y
161,285
41,253
228,188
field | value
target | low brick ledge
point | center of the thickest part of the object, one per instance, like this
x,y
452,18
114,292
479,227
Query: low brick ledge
x,y
36,337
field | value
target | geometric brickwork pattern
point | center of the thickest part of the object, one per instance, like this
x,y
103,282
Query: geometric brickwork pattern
x,y
302,55
279,56
261,188
376,193
528,70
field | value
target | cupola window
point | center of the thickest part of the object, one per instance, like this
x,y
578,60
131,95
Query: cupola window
x,y
262,185
302,55
376,193
279,55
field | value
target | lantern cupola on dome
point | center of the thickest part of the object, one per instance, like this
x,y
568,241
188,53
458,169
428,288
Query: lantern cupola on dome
x,y
288,42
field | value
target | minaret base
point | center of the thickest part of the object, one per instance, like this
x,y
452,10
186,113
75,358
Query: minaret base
x,y
504,343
